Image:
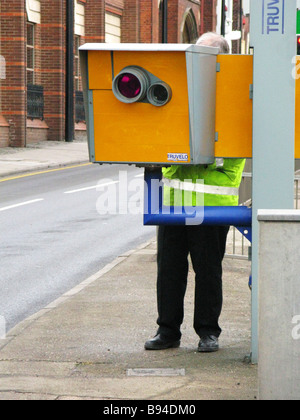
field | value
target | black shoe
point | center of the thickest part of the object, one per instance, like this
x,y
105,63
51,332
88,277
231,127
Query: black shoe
x,y
161,343
208,344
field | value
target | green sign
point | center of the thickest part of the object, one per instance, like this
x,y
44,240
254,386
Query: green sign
x,y
298,22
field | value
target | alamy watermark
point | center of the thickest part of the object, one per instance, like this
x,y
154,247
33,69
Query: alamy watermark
x,y
132,196
2,328
296,329
296,67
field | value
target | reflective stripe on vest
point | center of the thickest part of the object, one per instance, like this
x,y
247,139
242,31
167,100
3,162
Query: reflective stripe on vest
x,y
200,188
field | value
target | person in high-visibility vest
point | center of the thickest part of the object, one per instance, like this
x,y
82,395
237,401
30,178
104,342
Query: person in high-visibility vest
x,y
212,185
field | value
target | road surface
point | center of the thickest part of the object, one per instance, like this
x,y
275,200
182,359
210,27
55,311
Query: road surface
x,y
53,237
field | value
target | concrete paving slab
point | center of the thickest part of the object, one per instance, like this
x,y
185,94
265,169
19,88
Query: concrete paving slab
x,y
42,156
83,346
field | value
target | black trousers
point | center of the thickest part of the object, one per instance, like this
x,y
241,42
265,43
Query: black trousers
x,y
206,245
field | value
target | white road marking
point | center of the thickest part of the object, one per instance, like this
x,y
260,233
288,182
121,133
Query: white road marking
x,y
92,187
25,203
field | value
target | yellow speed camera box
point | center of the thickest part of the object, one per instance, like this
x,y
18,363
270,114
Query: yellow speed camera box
x,y
150,103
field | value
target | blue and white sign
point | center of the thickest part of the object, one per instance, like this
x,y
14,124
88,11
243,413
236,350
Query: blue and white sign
x,y
273,15
178,157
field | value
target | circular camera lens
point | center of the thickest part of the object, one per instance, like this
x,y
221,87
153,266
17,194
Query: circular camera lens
x,y
159,94
129,85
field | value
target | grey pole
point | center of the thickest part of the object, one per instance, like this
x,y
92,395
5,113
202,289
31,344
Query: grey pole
x,y
165,22
273,35
223,18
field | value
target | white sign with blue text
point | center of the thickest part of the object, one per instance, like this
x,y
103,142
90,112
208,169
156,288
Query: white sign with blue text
x,y
273,15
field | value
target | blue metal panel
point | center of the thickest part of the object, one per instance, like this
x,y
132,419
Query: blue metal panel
x,y
155,213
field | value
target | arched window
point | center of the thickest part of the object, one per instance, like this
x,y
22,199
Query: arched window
x,y
189,32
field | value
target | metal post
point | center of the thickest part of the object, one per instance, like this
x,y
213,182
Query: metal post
x,y
223,18
165,22
273,39
70,71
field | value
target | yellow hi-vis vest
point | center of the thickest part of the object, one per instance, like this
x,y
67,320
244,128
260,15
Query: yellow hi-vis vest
x,y
203,185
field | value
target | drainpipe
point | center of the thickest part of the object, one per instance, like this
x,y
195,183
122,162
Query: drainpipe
x,y
165,22
164,41
70,71
223,18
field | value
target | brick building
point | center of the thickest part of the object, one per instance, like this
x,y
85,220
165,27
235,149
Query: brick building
x,y
227,17
34,46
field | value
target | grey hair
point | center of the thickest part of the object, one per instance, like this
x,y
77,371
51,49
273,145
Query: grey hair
x,y
212,39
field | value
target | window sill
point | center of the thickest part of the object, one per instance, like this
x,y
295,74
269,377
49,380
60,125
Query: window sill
x,y
36,123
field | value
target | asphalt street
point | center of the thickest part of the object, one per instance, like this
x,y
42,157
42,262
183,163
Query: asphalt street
x,y
54,237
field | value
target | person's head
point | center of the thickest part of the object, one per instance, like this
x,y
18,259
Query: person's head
x,y
211,39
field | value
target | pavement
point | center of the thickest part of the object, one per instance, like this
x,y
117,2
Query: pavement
x,y
41,156
89,343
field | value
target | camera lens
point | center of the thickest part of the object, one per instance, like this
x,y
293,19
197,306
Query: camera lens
x,y
129,85
159,94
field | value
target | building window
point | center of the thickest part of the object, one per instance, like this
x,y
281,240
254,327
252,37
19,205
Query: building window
x,y
30,53
79,103
189,30
35,101
112,28
33,9
79,27
76,63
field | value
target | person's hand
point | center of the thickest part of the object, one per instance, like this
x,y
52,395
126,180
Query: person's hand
x,y
153,168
